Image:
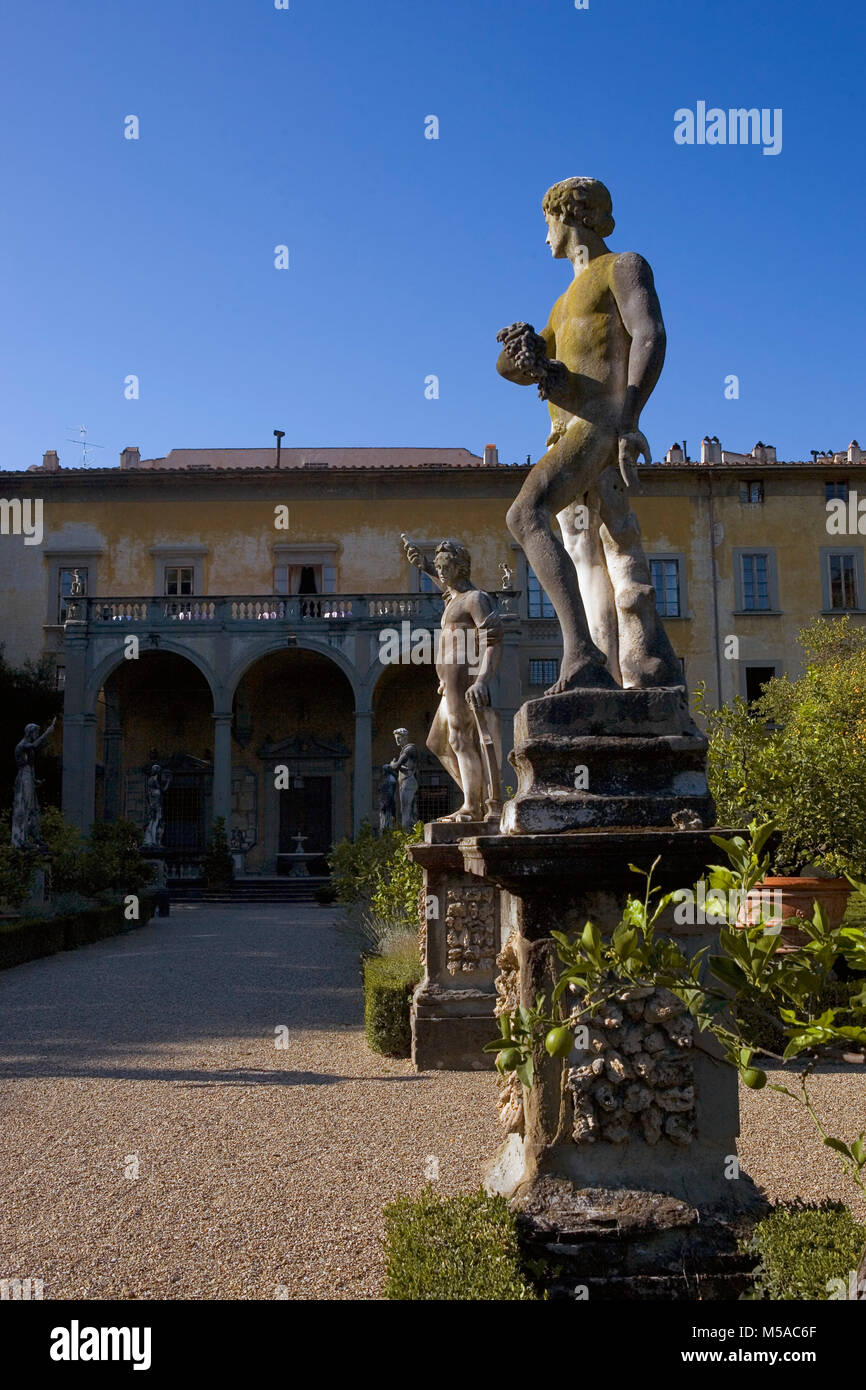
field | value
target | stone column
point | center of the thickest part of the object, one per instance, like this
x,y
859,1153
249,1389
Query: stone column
x,y
222,768
79,769
362,802
79,731
112,760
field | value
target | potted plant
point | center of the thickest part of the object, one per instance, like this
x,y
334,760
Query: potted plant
x,y
797,756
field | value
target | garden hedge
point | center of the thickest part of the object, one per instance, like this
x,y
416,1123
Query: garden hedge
x,y
30,938
453,1248
802,1247
388,985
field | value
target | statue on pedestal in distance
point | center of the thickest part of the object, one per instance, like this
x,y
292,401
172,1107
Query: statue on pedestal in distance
x,y
26,822
405,765
465,734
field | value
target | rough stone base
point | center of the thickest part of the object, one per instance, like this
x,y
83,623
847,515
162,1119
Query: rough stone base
x,y
598,1243
593,758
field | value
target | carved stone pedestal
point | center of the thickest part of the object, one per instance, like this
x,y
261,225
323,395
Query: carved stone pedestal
x,y
607,758
452,1009
648,1108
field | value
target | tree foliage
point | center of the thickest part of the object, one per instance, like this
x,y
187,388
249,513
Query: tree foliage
x,y
797,755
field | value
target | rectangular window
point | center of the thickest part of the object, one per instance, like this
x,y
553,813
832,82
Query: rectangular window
x,y
839,488
305,579
843,581
60,677
539,604
179,580
752,492
756,679
756,582
64,588
426,584
543,672
665,576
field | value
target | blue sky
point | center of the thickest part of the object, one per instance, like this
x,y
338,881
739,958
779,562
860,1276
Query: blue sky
x,y
305,127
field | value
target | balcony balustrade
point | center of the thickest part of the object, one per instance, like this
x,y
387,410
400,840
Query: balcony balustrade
x,y
247,610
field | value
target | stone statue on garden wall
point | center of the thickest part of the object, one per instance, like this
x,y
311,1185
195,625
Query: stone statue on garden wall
x,y
405,765
465,735
596,363
26,823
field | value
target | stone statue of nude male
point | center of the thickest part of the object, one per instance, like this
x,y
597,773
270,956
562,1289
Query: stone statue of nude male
x,y
596,363
465,734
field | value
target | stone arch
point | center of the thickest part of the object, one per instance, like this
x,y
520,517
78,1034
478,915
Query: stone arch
x,y
252,655
109,665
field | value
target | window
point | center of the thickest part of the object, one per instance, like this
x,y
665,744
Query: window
x,y
665,576
752,492
64,588
756,582
305,579
426,584
539,604
839,488
543,672
59,677
756,678
179,580
843,581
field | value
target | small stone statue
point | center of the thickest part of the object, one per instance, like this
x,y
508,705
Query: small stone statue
x,y
157,784
505,572
405,765
387,798
26,824
465,734
596,363
76,591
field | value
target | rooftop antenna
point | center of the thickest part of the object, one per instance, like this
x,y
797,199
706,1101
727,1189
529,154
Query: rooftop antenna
x,y
83,441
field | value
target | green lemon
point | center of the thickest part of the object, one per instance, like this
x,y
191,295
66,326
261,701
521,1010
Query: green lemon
x,y
508,1059
559,1042
754,1078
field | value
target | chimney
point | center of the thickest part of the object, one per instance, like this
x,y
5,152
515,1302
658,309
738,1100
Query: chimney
x,y
130,456
674,454
855,453
764,453
51,461
711,450
491,456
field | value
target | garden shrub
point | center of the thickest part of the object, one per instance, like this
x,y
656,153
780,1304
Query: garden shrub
x,y
453,1248
113,861
30,938
362,867
388,985
797,755
802,1246
219,866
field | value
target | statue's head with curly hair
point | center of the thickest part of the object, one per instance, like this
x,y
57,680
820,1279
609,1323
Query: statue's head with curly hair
x,y
456,557
580,203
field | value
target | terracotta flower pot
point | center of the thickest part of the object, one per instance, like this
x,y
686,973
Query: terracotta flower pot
x,y
790,900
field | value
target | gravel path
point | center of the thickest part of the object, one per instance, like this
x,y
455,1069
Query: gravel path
x,y
156,1143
